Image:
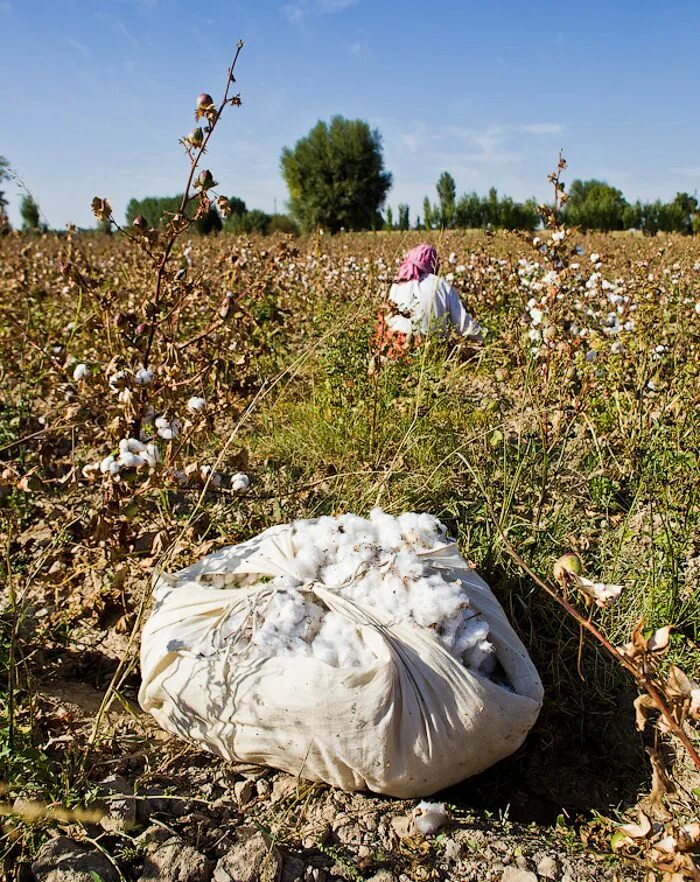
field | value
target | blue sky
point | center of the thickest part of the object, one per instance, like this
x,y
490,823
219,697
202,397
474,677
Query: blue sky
x,y
97,92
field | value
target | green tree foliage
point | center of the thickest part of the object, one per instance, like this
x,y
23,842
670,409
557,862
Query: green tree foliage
x,y
470,212
493,212
447,194
254,221
30,214
428,214
336,177
282,223
4,175
237,206
595,205
389,220
404,217
158,209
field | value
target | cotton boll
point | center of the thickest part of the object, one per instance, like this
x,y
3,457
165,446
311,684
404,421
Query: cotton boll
x,y
130,460
131,445
375,564
388,530
240,482
337,574
340,643
472,631
90,469
150,454
81,372
325,652
117,381
429,817
307,562
196,404
214,478
143,377
106,464
168,429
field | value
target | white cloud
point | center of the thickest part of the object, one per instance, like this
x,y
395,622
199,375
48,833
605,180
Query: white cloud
x,y
360,48
544,128
334,5
81,47
299,10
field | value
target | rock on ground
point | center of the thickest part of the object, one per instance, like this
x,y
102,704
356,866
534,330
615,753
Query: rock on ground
x,y
65,860
173,860
515,874
252,859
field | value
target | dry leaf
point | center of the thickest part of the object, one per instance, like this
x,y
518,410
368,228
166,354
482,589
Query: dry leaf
x,y
661,784
659,639
679,684
689,836
637,831
643,703
668,844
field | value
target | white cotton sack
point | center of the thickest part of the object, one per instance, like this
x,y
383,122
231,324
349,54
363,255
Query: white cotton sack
x,y
361,652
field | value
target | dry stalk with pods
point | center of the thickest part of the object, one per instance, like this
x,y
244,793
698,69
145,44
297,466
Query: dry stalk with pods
x,y
674,696
157,372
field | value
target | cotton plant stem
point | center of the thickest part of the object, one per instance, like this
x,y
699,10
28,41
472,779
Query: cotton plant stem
x,y
644,682
165,258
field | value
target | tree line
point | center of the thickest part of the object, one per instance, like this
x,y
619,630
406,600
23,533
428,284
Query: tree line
x,y
337,181
156,209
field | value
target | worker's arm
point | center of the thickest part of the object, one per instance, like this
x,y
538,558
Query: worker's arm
x,y
460,318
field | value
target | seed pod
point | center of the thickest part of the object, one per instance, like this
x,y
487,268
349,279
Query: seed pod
x,y
140,223
204,100
206,180
568,564
195,137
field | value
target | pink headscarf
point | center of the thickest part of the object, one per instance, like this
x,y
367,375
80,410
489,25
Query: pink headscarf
x,y
418,262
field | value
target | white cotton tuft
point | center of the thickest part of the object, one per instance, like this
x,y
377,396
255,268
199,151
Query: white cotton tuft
x,y
168,429
129,460
240,482
376,563
81,372
117,381
131,445
196,404
110,466
150,454
206,473
143,376
429,817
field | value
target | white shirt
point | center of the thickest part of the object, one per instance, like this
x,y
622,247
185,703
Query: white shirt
x,y
430,300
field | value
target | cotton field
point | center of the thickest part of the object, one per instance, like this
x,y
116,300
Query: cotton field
x,y
137,437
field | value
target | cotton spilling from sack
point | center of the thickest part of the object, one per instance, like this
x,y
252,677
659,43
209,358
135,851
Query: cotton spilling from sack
x,y
365,653
375,563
